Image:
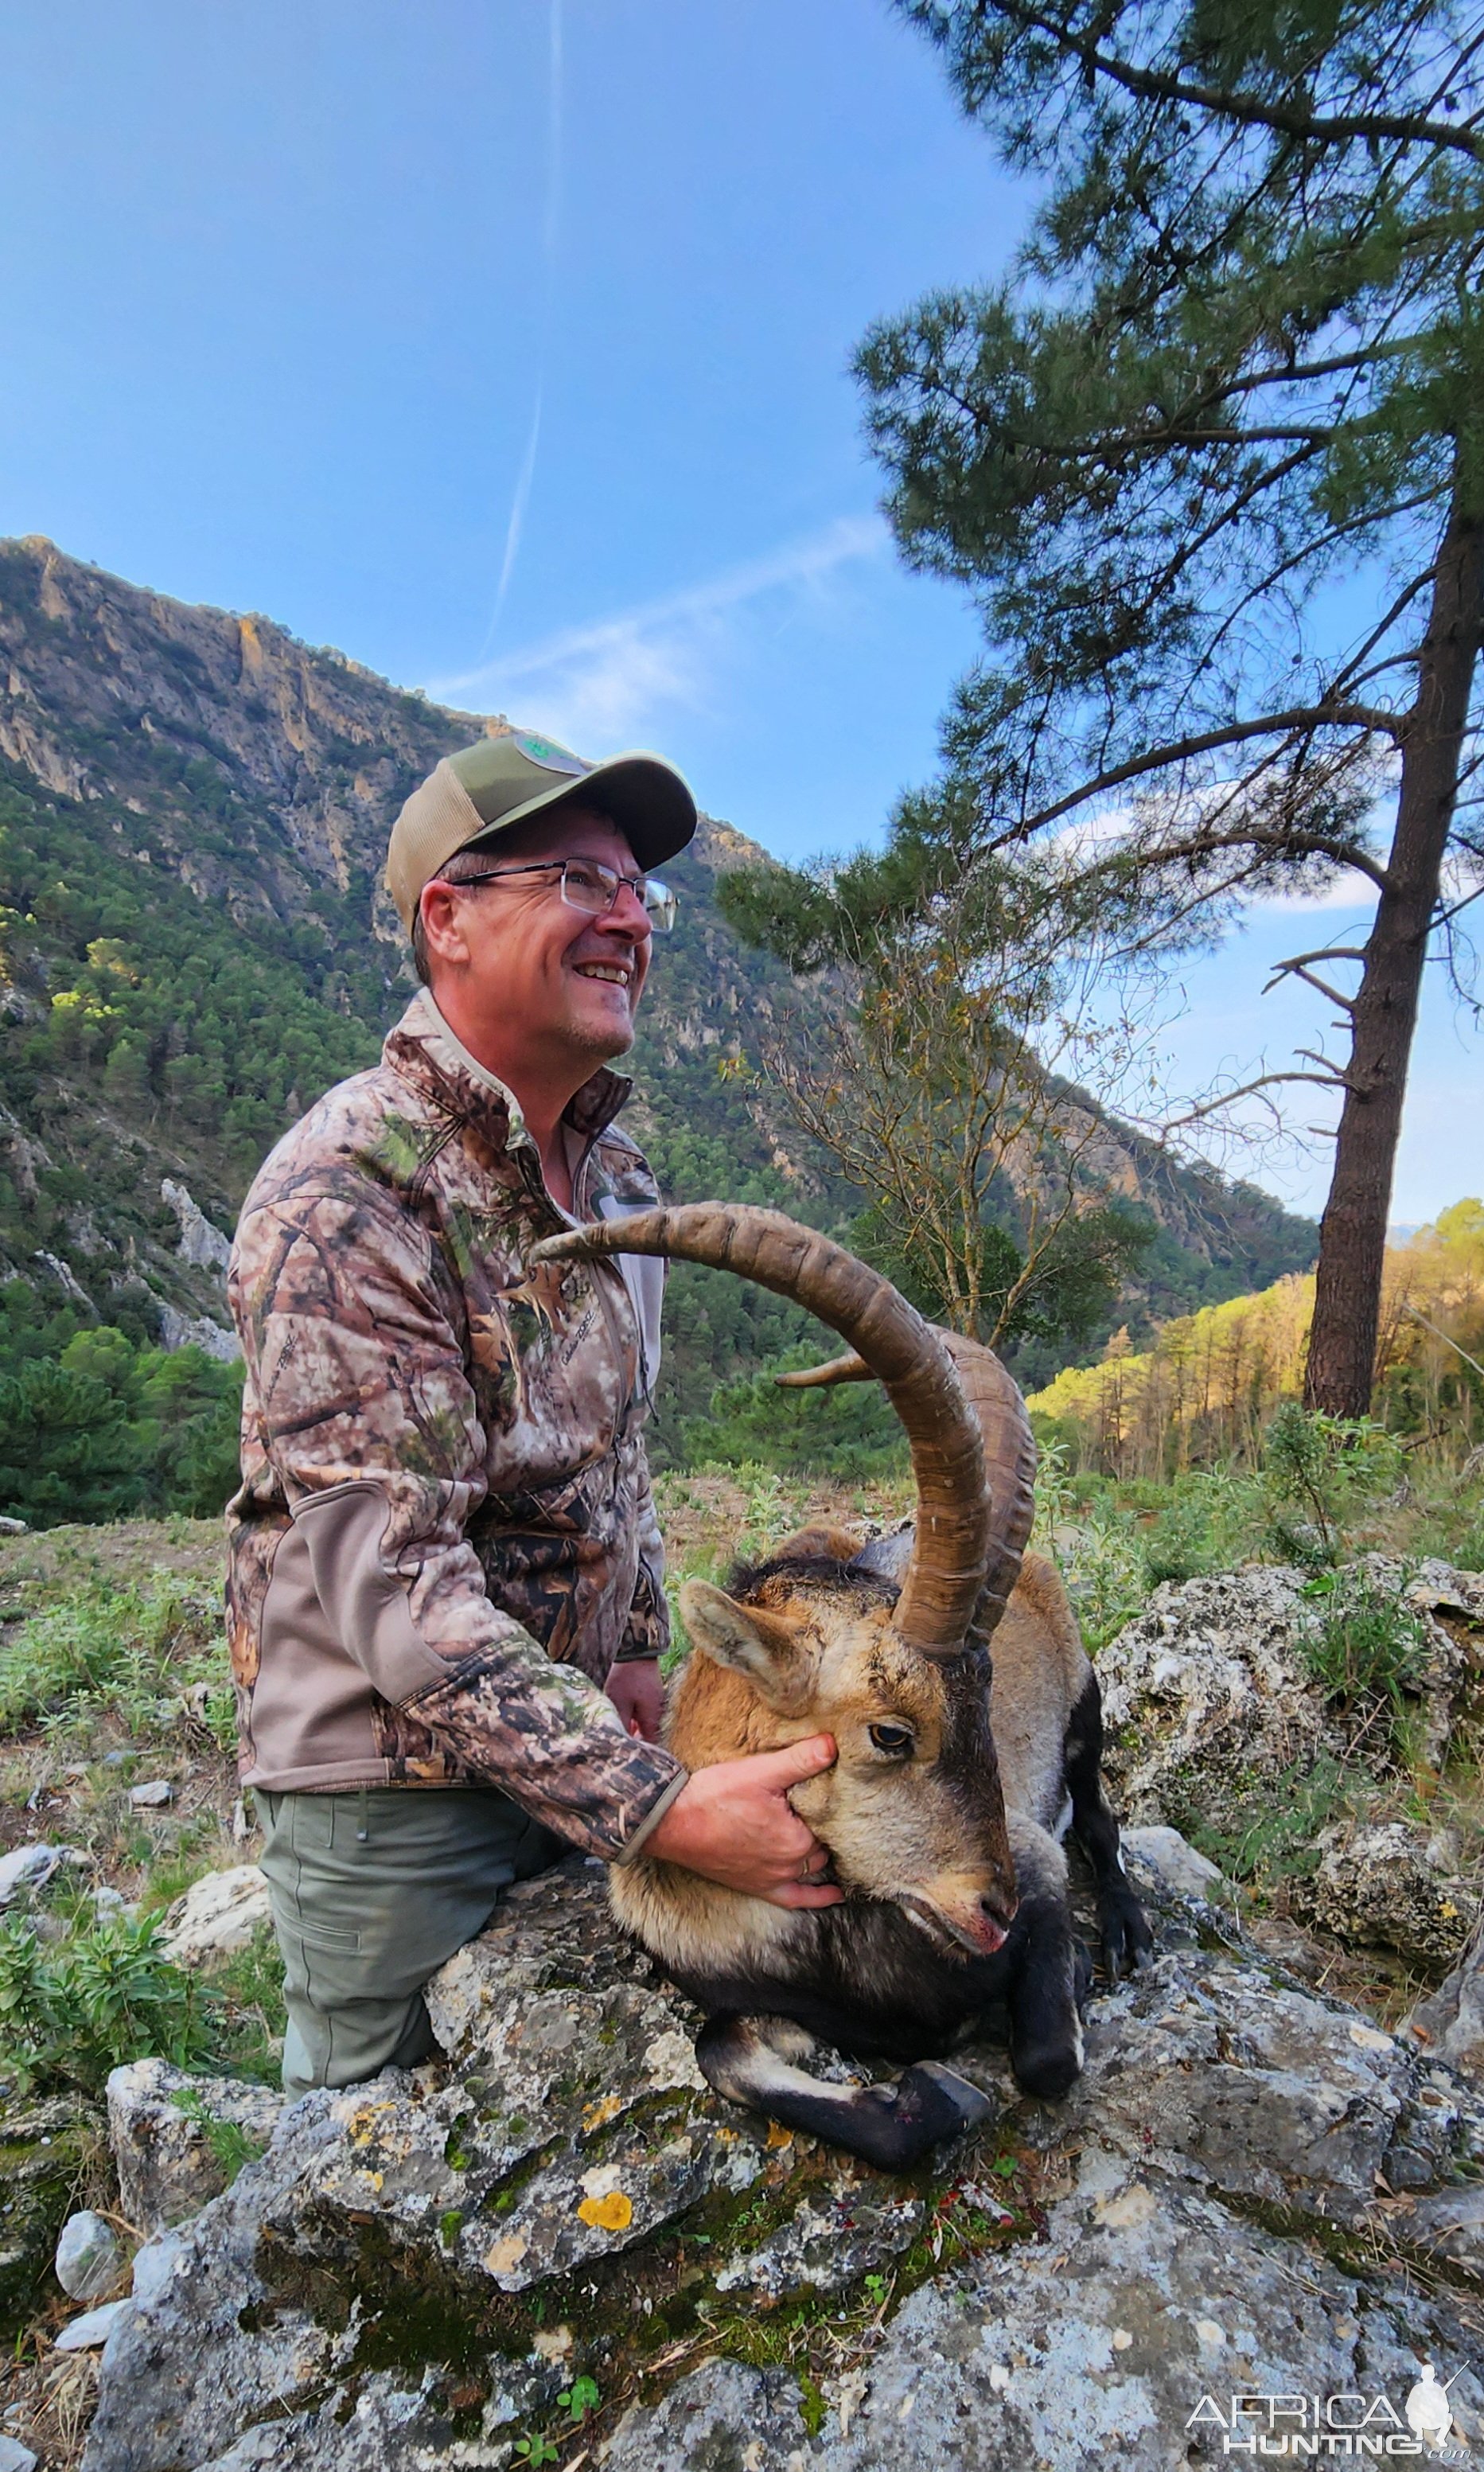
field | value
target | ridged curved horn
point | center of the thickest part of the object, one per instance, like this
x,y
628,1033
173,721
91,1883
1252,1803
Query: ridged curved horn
x,y
1009,1450
943,1587
822,1377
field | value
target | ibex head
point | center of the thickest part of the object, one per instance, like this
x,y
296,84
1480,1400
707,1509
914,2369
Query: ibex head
x,y
912,1811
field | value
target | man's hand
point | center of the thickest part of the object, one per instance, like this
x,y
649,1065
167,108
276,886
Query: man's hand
x,y
733,1823
638,1694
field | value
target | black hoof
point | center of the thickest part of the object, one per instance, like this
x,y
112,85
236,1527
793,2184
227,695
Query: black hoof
x,y
1048,2074
1127,1941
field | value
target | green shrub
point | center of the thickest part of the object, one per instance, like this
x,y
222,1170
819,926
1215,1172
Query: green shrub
x,y
1366,1649
849,1430
1323,1472
74,2009
95,1425
1264,1830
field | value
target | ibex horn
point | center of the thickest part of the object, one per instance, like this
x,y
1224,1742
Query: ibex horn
x,y
941,1593
1009,1449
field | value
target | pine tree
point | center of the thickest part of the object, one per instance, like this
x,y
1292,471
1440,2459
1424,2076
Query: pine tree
x,y
1242,361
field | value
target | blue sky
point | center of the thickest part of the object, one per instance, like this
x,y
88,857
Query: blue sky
x,y
505,344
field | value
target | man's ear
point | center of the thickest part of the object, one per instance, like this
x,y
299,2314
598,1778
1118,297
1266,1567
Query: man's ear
x,y
442,931
766,1648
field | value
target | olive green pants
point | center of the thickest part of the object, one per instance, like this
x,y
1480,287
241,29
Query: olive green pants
x,y
371,1893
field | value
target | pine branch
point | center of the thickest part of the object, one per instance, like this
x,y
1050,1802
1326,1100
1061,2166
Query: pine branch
x,y
1180,750
1286,120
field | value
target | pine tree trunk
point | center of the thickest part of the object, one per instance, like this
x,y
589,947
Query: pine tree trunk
x,y
1353,1233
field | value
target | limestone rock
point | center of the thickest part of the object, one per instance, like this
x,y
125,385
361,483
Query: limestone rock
x,y
90,2332
1100,2343
15,2458
161,2127
1388,1886
30,1867
200,1243
88,2257
1207,1699
179,1329
1450,2022
44,2150
1163,1860
417,2270
218,1916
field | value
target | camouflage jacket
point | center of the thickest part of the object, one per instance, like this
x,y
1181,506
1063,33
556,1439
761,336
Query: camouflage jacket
x,y
444,1535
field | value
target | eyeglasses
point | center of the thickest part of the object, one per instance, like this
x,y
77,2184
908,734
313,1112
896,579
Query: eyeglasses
x,y
587,885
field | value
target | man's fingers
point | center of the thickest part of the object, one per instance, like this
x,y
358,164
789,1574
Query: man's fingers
x,y
794,1892
777,1770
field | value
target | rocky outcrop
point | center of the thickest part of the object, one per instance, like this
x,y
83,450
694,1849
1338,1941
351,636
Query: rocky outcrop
x,y
1450,2022
1212,1712
178,2140
562,2240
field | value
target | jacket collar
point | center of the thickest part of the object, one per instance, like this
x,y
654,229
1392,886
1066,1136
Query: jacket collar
x,y
425,1052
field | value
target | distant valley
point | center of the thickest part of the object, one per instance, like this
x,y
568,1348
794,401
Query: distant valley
x,y
195,941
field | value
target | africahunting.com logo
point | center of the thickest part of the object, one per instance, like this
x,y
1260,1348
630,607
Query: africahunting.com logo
x,y
1352,2428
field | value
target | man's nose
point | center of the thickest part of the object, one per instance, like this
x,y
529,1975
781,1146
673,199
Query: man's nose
x,y
629,914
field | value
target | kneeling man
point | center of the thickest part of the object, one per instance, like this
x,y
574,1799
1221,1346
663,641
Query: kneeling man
x,y
444,1587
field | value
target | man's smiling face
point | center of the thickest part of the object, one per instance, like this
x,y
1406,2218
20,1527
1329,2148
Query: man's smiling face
x,y
558,982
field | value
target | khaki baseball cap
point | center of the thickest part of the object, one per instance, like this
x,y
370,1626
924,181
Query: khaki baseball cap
x,y
480,790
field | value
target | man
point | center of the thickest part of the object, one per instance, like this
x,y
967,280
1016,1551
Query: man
x,y
444,1573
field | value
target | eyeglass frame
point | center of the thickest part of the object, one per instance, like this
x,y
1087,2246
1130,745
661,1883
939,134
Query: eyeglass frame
x,y
599,867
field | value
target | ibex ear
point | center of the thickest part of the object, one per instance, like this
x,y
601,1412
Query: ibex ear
x,y
821,1541
766,1648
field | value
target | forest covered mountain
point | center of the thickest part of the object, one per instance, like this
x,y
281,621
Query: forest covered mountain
x,y
195,941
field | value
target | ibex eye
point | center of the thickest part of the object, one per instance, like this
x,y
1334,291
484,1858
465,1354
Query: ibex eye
x,y
895,1739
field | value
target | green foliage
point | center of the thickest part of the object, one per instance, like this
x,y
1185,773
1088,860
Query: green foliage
x,y
1266,1830
228,2143
1123,451
577,2400
96,1426
1115,1542
72,2009
1326,1468
847,1431
193,1019
1367,1648
1072,1286
124,1650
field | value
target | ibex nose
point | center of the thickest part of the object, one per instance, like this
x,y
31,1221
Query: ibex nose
x,y
999,1907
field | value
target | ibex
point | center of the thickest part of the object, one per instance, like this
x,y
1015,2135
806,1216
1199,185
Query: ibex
x,y
955,1884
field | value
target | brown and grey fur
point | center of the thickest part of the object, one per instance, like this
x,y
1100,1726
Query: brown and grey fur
x,y
908,1963
886,1649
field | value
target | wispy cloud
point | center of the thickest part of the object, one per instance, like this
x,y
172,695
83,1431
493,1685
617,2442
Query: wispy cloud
x,y
550,242
615,681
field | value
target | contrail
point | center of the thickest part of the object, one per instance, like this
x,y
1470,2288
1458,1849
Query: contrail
x,y
550,234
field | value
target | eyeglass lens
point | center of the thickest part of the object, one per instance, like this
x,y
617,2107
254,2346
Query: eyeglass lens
x,y
588,886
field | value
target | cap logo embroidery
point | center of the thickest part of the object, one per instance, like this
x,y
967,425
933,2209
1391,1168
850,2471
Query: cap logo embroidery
x,y
546,752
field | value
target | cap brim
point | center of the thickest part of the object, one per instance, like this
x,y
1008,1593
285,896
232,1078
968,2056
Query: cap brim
x,y
649,800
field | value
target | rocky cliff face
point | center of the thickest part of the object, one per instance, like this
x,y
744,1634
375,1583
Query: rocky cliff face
x,y
195,939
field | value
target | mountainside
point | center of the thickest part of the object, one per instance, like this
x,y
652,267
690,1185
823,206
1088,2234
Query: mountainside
x,y
195,941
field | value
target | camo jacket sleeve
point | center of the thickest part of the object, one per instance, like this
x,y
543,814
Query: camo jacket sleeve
x,y
364,1406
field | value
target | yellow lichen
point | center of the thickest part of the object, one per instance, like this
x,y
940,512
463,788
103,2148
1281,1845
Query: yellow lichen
x,y
596,2113
611,2214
